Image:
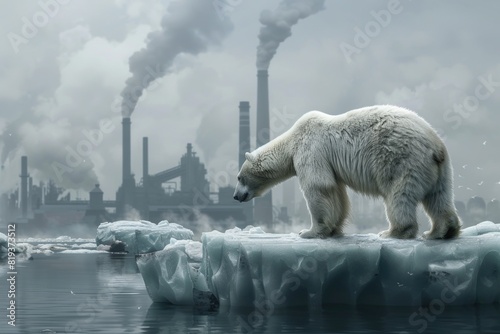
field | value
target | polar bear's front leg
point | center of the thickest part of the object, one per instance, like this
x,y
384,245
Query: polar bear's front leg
x,y
328,207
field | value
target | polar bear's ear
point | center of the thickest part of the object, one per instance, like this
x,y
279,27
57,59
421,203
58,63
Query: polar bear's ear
x,y
250,157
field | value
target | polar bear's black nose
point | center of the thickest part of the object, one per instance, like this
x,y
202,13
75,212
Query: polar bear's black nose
x,y
235,197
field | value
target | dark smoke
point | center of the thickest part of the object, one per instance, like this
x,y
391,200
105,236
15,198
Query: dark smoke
x,y
277,26
189,26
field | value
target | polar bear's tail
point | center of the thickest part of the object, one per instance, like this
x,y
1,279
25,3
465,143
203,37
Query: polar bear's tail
x,y
438,202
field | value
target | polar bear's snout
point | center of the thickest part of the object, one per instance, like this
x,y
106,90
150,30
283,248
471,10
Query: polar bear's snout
x,y
241,197
241,194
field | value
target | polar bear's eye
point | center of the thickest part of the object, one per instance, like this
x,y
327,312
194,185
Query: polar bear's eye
x,y
239,178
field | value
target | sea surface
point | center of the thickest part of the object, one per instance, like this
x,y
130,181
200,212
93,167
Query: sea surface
x,y
105,293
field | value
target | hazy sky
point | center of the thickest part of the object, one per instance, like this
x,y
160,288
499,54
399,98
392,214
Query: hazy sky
x,y
65,64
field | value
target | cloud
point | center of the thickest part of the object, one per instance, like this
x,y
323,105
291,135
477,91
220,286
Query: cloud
x,y
72,73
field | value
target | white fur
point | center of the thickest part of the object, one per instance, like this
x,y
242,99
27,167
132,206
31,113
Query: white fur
x,y
383,151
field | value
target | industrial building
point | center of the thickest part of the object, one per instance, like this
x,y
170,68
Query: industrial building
x,y
154,196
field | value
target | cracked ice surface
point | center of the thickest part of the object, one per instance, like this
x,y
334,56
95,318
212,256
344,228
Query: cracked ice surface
x,y
251,268
141,236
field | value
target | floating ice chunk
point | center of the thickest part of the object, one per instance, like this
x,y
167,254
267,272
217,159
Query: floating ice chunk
x,y
82,251
481,228
90,245
51,247
19,247
60,239
64,238
141,236
249,270
173,275
24,248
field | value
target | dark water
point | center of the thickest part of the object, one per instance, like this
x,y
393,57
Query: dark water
x,y
104,293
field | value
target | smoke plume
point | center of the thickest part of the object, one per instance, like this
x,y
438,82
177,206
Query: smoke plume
x,y
190,26
277,26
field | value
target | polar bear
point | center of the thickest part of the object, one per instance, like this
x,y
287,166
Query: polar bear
x,y
385,151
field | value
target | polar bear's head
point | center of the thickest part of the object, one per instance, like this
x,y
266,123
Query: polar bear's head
x,y
252,180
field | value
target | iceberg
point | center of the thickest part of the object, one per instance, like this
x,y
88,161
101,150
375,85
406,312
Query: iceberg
x,y
251,268
141,236
173,275
82,251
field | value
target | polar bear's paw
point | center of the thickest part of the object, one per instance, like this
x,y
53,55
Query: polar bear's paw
x,y
430,235
308,234
385,234
407,233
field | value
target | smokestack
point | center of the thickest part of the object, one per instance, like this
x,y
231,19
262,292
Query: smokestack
x,y
126,150
263,130
244,131
245,147
145,160
128,183
24,186
145,178
263,209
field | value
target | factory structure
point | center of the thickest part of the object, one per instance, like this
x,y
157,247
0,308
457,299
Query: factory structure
x,y
180,192
155,197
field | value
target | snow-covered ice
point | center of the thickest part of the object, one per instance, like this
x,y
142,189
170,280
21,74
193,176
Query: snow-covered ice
x,y
251,268
82,251
141,236
19,247
60,239
88,245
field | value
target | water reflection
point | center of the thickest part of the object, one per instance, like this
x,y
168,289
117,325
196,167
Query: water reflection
x,y
104,293
164,318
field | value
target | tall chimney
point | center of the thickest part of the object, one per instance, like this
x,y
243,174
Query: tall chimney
x,y
128,184
24,186
126,150
244,131
245,147
145,159
263,129
263,209
145,178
